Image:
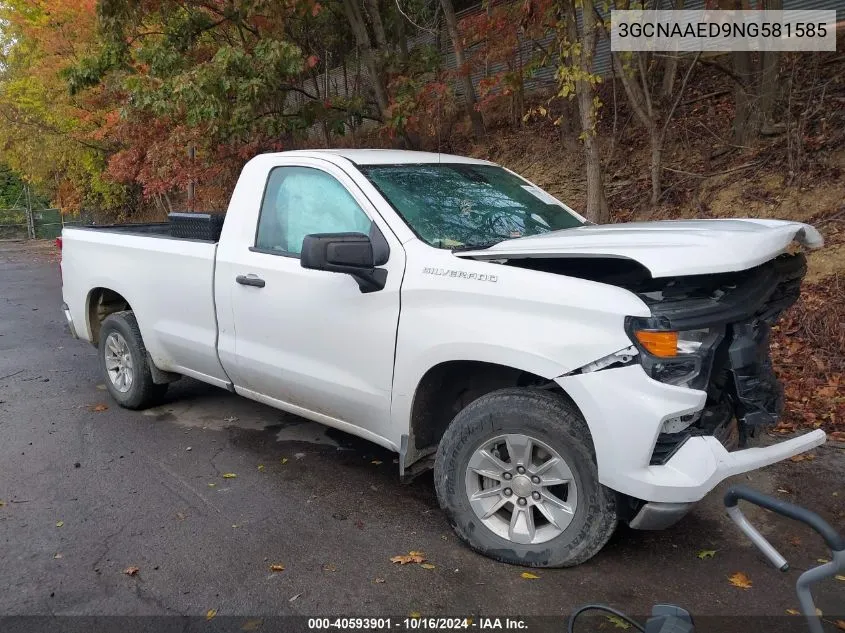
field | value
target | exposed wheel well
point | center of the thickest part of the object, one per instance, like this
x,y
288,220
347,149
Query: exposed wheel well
x,y
101,303
446,389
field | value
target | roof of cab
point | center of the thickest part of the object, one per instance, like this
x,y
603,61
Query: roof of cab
x,y
387,156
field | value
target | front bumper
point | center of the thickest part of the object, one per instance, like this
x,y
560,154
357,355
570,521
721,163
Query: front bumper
x,y
69,318
625,411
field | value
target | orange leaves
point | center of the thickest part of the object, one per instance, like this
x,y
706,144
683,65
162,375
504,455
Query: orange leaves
x,y
739,579
411,557
807,355
131,571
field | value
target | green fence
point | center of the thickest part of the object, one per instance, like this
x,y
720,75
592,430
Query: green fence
x,y
21,224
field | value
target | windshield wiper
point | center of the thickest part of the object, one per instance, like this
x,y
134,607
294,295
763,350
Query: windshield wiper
x,y
476,247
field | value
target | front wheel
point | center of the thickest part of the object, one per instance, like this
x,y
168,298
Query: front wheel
x,y
125,364
516,475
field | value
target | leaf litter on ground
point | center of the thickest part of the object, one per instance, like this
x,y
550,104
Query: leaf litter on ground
x,y
410,557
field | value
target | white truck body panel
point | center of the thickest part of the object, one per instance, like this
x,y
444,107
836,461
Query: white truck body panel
x,y
311,343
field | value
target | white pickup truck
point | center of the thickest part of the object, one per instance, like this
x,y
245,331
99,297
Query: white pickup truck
x,y
560,377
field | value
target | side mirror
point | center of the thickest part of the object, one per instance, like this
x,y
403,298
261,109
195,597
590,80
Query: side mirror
x,y
348,253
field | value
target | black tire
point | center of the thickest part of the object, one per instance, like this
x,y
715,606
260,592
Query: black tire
x,y
143,392
547,417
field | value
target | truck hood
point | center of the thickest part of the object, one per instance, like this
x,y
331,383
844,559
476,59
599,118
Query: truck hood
x,y
667,248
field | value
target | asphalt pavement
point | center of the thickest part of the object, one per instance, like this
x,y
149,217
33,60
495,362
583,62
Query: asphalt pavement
x,y
89,490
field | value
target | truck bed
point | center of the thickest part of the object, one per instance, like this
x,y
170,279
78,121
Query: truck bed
x,y
167,281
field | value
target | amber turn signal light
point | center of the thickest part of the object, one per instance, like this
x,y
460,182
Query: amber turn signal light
x,y
664,344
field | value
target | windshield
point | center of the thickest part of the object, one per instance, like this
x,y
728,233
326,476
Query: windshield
x,y
466,205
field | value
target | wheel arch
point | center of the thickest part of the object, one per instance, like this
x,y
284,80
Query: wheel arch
x,y
444,390
100,303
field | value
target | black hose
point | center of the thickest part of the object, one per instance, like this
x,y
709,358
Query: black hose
x,y
601,607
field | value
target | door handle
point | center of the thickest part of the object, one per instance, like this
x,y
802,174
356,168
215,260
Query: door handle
x,y
250,280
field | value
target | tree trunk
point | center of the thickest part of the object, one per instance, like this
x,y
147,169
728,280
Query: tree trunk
x,y
656,141
648,116
746,123
378,26
359,28
769,85
402,36
596,209
670,68
463,72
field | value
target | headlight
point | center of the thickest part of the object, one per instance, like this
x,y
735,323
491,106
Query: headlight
x,y
676,357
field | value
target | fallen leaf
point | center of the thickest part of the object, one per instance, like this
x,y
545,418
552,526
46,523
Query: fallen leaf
x,y
277,567
840,577
101,387
298,455
230,419
210,614
411,557
235,525
329,567
427,566
97,408
740,580
376,462
793,612
59,523
379,581
229,475
783,490
212,485
840,624
822,560
819,612
131,571
252,625
803,457
706,553
618,622
795,541
415,614
294,597
260,467
528,575
284,460
181,516
2,503
58,555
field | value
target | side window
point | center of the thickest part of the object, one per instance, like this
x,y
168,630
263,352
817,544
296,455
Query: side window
x,y
301,200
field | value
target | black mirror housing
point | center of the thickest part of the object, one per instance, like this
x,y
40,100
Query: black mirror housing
x,y
348,253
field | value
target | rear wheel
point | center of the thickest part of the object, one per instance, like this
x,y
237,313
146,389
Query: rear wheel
x,y
516,475
125,364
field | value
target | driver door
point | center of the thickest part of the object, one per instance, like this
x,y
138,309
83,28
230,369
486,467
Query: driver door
x,y
304,340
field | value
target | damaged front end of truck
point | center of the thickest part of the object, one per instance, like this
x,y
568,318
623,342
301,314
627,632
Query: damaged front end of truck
x,y
712,332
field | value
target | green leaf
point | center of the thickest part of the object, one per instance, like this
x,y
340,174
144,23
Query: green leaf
x,y
618,622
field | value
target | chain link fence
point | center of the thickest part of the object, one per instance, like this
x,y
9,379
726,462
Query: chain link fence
x,y
22,224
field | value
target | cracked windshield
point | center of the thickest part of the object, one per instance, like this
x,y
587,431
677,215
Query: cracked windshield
x,y
469,206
